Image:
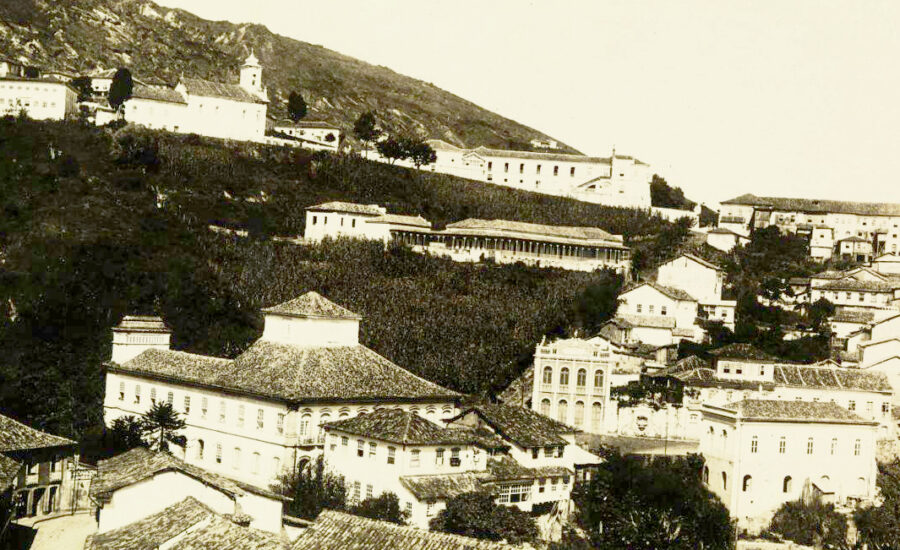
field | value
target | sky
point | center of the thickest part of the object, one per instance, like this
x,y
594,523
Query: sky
x,y
771,97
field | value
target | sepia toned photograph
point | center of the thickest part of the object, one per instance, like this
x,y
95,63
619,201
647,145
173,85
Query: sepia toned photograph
x,y
449,275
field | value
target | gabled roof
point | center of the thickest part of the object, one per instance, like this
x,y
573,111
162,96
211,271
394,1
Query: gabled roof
x,y
742,351
853,239
506,468
157,93
432,488
798,411
401,427
817,205
312,305
671,292
207,88
701,261
15,436
192,526
338,531
687,364
529,155
142,323
9,472
648,321
522,426
349,208
844,315
849,283
289,373
315,124
550,233
396,219
140,464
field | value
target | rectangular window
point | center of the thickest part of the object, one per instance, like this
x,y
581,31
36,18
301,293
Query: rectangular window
x,y
372,448
505,167
572,172
522,168
857,446
556,170
852,405
414,458
137,393
490,165
535,452
650,309
356,488
782,445
187,404
279,423
345,441
754,444
121,391
369,490
360,447
153,396
218,453
204,406
222,412
439,457
237,458
833,445
548,451
241,416
392,455
315,219
260,417
809,446
885,408
638,308
662,310
537,170
170,399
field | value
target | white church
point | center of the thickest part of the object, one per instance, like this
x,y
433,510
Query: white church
x,y
204,107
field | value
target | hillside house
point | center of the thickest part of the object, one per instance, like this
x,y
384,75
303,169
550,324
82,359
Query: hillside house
x,y
659,315
39,98
257,416
724,239
704,281
887,264
614,181
11,67
858,289
321,134
762,453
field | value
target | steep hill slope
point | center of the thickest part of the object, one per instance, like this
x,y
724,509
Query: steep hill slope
x,y
163,43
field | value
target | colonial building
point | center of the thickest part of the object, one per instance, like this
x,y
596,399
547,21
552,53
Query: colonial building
x,y
860,288
474,240
659,315
724,239
187,524
762,453
704,281
849,230
45,481
877,349
39,98
257,416
139,483
887,264
204,107
312,132
614,181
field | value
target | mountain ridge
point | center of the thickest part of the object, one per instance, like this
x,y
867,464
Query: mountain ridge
x,y
160,44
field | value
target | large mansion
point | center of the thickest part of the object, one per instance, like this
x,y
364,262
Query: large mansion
x,y
259,415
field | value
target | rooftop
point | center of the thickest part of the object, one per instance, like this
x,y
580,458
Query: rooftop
x,y
522,426
312,305
142,323
293,374
801,411
704,262
648,321
671,292
817,206
849,283
195,526
397,219
157,93
844,315
9,472
798,376
317,124
401,427
431,488
742,351
506,468
349,208
550,233
208,88
338,531
15,436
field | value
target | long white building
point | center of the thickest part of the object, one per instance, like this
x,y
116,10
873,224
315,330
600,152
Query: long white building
x,y
39,98
614,181
259,415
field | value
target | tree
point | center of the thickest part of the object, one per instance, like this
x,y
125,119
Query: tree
x,y
665,196
476,515
84,86
879,526
126,433
639,502
385,507
313,488
162,423
392,149
121,88
366,128
296,106
418,151
810,523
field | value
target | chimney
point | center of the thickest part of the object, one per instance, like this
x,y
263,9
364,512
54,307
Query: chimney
x,y
137,333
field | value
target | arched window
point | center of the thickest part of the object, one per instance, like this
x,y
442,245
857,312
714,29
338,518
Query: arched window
x,y
747,482
324,418
787,485
564,377
598,379
276,465
447,410
200,446
362,411
343,412
579,413
430,412
724,480
545,407
548,375
581,378
562,413
596,416
304,424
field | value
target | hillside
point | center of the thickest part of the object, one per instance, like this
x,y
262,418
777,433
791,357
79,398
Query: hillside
x,y
97,223
160,44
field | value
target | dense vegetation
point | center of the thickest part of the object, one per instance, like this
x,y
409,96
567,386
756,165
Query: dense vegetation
x,y
659,502
477,515
312,489
879,526
810,523
666,196
97,223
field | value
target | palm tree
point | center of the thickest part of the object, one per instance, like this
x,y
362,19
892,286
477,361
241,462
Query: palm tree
x,y
162,423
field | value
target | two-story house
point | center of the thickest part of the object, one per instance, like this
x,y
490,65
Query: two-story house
x,y
702,280
659,315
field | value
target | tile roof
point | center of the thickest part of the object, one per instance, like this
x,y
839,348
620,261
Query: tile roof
x,y
338,531
293,374
687,364
349,208
671,292
15,436
742,351
844,315
726,231
816,205
809,376
648,321
397,219
157,93
441,145
208,88
195,526
853,239
506,468
549,233
853,284
802,411
432,488
522,426
9,472
317,124
312,304
401,427
139,464
142,323
562,157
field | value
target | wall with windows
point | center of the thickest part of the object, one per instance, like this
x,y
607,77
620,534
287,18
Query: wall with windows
x,y
223,118
702,282
754,467
855,298
159,115
340,224
42,100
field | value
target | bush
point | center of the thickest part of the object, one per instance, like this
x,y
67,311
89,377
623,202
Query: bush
x,y
813,523
476,515
313,488
385,507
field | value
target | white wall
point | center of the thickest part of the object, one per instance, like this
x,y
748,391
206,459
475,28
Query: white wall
x,y
701,282
297,331
159,115
42,100
224,118
128,345
339,224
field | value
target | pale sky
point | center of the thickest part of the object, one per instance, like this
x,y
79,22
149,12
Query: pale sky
x,y
790,98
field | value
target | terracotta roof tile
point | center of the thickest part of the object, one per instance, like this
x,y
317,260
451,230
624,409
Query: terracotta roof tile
x,y
312,304
397,219
671,292
805,411
522,426
9,471
742,351
817,205
317,124
401,427
208,88
651,321
550,233
15,436
349,208
142,323
157,93
432,488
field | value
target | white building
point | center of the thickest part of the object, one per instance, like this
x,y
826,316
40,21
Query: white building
x,y
614,181
877,348
762,453
724,239
871,227
138,483
40,98
860,288
315,132
257,416
887,264
212,109
659,315
11,67
704,281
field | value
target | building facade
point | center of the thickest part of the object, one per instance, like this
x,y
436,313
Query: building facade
x,y
39,98
659,315
704,281
318,133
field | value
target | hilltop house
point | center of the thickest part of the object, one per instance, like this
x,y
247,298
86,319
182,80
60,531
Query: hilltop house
x,y
851,230
614,181
204,107
257,416
762,453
